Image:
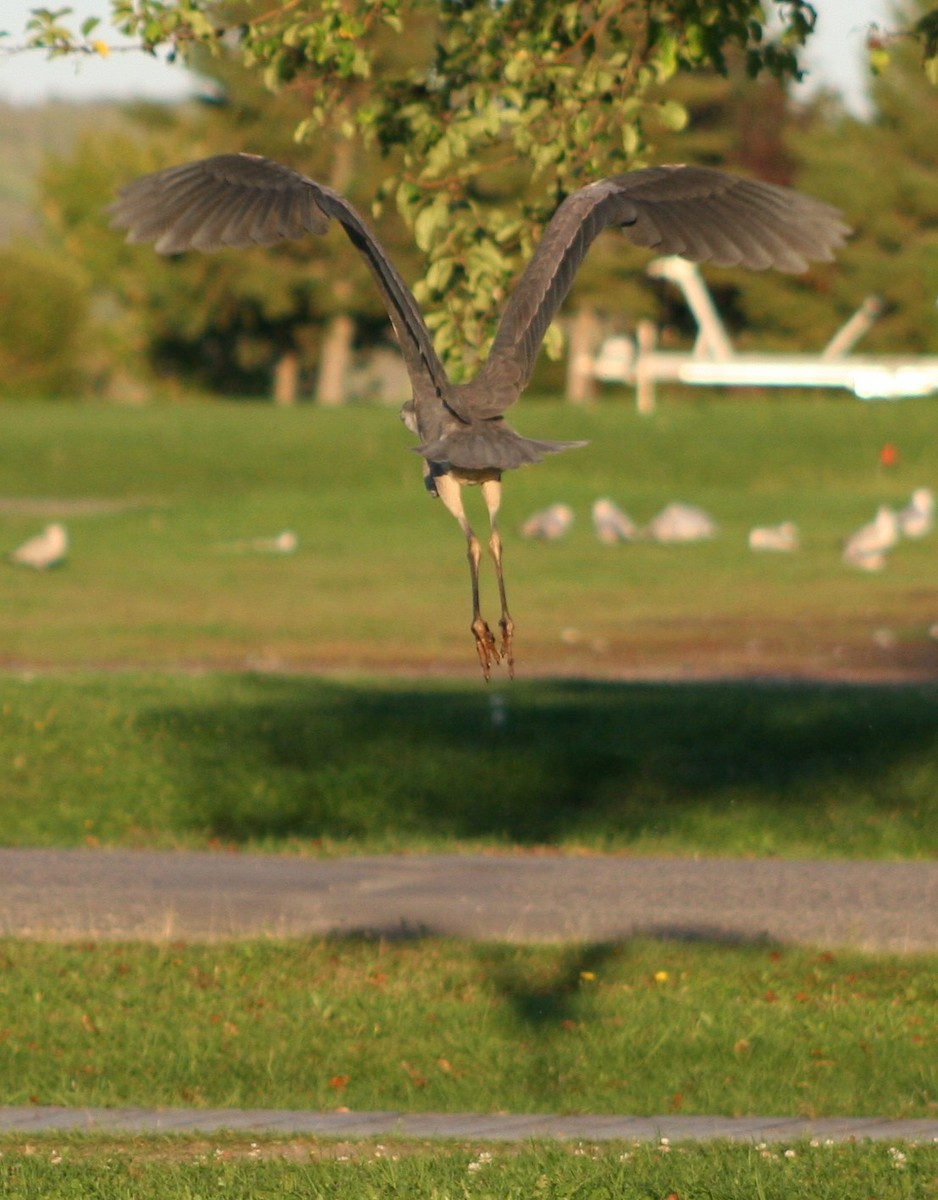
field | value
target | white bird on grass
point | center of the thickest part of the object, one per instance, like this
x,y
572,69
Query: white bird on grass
x,y
918,517
868,547
283,543
549,524
45,550
782,538
681,523
612,524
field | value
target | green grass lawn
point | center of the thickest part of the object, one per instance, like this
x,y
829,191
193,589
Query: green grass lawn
x,y
380,580
71,1169
644,1027
351,765
105,738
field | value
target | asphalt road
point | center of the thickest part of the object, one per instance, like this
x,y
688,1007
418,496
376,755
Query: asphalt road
x,y
125,894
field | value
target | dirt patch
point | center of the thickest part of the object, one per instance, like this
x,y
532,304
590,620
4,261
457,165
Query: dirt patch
x,y
185,1149
67,506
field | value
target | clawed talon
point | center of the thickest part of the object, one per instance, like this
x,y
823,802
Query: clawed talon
x,y
485,646
489,653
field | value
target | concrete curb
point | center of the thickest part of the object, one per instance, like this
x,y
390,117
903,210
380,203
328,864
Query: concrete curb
x,y
497,1127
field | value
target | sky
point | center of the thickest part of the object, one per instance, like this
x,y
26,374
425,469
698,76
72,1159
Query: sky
x,y
835,60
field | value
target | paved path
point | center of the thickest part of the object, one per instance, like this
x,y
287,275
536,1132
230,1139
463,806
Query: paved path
x,y
465,1126
69,894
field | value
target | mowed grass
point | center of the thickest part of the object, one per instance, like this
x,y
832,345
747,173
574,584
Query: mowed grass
x,y
324,766
159,502
62,1169
645,1027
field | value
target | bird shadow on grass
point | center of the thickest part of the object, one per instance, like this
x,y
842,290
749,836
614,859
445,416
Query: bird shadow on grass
x,y
719,767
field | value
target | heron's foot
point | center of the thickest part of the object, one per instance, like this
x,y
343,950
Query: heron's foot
x,y
507,626
485,646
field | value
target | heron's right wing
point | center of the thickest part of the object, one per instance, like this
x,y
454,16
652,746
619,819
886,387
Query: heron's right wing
x,y
246,200
700,213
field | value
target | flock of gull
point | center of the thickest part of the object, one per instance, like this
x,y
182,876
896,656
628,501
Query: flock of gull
x,y
869,546
867,549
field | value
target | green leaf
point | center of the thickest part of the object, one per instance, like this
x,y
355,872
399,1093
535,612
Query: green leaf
x,y
439,273
430,221
673,115
553,341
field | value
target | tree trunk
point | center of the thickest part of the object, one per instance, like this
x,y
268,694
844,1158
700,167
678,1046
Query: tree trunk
x,y
647,337
334,361
585,332
287,378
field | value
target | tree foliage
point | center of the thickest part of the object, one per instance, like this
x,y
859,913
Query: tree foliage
x,y
45,309
885,172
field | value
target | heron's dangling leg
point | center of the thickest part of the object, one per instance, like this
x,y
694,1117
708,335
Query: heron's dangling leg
x,y
450,492
492,493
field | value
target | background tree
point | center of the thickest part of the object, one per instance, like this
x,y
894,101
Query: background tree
x,y
44,307
885,171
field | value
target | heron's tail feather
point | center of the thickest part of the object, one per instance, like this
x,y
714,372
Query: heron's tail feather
x,y
490,447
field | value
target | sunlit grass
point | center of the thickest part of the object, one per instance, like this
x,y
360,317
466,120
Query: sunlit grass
x,y
139,1169
437,1025
379,578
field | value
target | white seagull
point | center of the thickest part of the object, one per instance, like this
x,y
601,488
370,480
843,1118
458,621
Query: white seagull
x,y
868,547
549,524
918,517
681,523
612,524
781,538
45,550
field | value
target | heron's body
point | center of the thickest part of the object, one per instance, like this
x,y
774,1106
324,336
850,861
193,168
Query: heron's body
x,y
703,214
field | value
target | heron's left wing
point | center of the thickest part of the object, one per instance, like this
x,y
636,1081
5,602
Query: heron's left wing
x,y
698,212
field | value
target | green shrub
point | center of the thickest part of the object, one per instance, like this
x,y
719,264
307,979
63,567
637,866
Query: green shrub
x,y
43,319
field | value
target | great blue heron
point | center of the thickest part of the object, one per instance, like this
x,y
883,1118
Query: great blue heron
x,y
698,212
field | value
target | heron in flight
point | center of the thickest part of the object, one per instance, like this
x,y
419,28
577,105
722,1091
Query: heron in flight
x,y
700,213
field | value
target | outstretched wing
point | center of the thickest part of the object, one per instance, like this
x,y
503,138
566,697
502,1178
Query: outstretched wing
x,y
246,200
697,212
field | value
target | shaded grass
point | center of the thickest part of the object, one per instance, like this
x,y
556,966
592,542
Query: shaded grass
x,y
328,766
225,1167
435,1025
380,579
